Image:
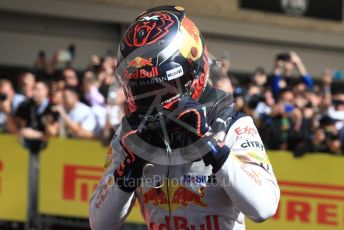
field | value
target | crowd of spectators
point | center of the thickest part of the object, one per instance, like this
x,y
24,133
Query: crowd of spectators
x,y
290,109
50,102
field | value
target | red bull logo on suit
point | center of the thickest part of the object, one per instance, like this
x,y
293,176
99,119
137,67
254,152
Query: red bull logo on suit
x,y
179,196
211,222
155,196
184,196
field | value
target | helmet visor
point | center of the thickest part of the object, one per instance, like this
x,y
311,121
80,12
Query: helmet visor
x,y
151,76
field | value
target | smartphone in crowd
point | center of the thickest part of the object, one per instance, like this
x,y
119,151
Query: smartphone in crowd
x,y
283,57
66,55
288,108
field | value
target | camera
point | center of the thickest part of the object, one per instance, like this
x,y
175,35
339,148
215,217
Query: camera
x,y
238,92
283,57
66,55
41,54
253,100
337,102
3,97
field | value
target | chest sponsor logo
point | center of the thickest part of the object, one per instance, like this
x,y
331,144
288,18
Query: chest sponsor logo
x,y
191,179
174,197
211,222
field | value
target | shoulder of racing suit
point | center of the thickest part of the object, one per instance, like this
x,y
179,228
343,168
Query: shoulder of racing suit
x,y
221,113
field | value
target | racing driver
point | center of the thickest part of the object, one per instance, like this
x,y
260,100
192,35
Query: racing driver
x,y
183,152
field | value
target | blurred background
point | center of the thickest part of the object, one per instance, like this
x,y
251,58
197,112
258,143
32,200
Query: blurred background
x,y
283,60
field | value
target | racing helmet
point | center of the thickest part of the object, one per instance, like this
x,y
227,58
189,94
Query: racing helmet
x,y
162,57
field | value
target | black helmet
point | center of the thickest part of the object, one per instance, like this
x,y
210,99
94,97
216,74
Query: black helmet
x,y
161,58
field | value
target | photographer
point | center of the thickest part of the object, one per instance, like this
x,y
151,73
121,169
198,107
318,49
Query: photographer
x,y
252,99
26,84
336,113
77,117
70,77
285,64
331,135
283,124
36,120
9,102
105,75
259,77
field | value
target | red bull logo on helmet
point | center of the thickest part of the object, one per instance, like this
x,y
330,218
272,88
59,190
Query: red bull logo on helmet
x,y
141,74
136,72
140,62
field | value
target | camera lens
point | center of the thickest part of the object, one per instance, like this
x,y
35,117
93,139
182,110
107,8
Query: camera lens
x,y
3,97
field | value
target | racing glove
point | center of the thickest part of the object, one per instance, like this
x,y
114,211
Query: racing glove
x,y
129,173
192,120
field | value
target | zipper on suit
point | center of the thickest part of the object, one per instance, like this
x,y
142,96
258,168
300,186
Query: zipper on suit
x,y
169,153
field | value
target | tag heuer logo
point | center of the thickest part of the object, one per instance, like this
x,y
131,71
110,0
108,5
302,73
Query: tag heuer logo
x,y
294,7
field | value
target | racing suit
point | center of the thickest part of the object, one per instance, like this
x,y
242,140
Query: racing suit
x,y
192,197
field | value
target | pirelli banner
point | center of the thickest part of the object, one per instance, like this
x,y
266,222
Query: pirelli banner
x,y
312,192
70,171
312,187
14,163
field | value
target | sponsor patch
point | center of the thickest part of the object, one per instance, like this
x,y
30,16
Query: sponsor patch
x,y
180,195
210,222
247,130
191,179
108,158
174,73
252,144
142,73
102,195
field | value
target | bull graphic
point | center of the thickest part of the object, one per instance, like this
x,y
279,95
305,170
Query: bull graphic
x,y
184,196
155,196
149,29
139,62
